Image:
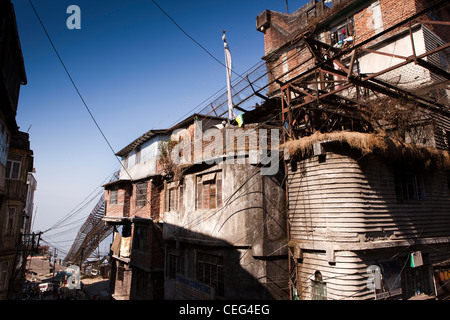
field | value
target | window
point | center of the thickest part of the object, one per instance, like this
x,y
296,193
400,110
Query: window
x,y
210,272
417,281
141,194
209,190
140,237
409,186
138,155
435,15
113,197
4,142
377,17
174,201
10,221
175,265
343,31
120,271
13,165
3,275
318,287
311,13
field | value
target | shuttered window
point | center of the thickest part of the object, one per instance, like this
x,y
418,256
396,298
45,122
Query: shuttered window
x,y
209,190
174,197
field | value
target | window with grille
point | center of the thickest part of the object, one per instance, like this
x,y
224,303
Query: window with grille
x,y
141,194
409,186
209,190
210,272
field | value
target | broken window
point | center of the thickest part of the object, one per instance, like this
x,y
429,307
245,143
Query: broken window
x,y
209,190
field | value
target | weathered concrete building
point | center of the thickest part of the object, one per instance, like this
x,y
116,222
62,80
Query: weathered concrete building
x,y
216,229
363,86
225,222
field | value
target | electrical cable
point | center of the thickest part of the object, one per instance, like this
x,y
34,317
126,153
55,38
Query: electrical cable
x,y
195,41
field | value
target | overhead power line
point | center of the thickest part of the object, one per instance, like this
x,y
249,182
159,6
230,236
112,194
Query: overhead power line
x,y
71,80
195,41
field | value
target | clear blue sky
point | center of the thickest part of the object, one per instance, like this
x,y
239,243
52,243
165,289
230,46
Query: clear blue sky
x,y
136,71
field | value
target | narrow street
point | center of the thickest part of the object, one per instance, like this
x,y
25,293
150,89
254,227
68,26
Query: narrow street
x,y
93,288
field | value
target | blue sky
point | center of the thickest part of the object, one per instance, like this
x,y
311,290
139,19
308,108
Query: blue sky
x,y
136,71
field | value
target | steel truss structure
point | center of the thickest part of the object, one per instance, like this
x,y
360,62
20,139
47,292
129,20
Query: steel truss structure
x,y
91,233
334,94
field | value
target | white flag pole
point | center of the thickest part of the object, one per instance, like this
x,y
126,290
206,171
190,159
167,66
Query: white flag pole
x,y
228,65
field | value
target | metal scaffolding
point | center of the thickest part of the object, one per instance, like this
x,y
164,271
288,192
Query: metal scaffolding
x,y
91,233
334,94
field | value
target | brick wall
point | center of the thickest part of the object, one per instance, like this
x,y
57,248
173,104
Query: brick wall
x,y
283,54
122,208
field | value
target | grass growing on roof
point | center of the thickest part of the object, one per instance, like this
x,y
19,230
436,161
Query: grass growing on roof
x,y
371,143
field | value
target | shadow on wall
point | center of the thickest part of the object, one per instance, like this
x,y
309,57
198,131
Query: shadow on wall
x,y
200,267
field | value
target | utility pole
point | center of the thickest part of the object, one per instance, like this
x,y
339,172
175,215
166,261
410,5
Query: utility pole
x,y
54,263
81,262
